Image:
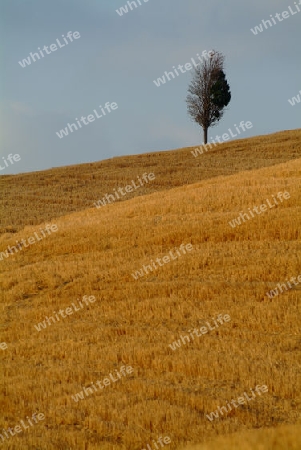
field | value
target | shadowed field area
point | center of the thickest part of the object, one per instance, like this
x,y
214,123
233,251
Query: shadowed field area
x,y
133,322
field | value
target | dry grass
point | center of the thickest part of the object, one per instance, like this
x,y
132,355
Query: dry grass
x,y
132,322
31,198
286,437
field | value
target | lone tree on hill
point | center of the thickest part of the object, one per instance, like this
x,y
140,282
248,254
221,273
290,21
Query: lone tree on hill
x,y
209,92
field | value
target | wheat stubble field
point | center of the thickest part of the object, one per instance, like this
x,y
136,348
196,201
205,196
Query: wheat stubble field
x,y
31,198
132,322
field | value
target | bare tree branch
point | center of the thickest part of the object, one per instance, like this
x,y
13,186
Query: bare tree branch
x,y
205,107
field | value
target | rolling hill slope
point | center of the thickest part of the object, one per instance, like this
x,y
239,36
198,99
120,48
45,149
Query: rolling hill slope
x,y
135,322
31,198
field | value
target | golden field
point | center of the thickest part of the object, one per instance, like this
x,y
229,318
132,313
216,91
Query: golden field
x,y
132,322
31,198
279,438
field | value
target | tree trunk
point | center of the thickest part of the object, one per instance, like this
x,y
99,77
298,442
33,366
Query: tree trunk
x,y
205,135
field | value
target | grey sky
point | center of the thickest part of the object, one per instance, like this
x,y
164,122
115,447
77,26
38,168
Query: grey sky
x,y
117,58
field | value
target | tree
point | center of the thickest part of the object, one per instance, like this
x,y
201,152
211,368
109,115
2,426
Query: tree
x,y
209,92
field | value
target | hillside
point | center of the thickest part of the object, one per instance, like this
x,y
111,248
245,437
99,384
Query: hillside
x,y
133,322
31,198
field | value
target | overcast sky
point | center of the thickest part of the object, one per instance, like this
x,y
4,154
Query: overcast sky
x,y
116,58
